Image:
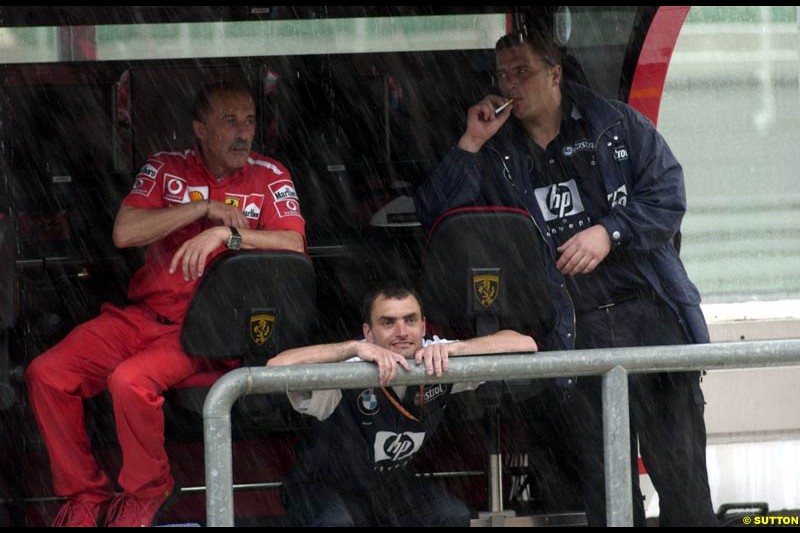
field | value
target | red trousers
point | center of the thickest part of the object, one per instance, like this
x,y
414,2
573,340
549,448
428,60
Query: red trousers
x,y
136,358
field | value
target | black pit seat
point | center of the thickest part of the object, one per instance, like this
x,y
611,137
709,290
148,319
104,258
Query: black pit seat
x,y
483,270
250,305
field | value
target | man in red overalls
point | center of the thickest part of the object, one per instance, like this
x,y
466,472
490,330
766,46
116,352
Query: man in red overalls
x,y
187,207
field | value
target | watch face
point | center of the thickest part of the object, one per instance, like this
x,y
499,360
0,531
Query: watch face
x,y
234,242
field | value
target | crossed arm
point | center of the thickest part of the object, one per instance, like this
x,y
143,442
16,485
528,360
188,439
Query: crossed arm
x,y
140,227
435,356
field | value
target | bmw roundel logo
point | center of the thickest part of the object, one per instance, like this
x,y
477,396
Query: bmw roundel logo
x,y
368,402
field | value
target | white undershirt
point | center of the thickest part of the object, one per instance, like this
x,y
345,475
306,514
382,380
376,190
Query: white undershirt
x,y
322,403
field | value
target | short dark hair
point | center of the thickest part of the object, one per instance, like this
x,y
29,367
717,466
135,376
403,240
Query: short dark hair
x,y
202,102
540,42
390,290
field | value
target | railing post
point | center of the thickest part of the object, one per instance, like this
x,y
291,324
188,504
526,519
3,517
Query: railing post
x,y
219,446
617,448
219,471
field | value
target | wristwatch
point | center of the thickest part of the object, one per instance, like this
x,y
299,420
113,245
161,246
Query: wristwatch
x,y
235,240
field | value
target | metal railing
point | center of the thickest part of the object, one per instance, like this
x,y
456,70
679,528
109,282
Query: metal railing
x,y
613,364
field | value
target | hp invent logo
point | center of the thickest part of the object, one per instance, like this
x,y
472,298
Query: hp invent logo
x,y
559,200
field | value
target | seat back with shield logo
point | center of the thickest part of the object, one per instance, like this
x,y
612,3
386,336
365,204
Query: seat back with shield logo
x,y
483,270
252,305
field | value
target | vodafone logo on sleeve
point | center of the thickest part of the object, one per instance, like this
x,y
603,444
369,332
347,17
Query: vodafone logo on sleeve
x,y
174,188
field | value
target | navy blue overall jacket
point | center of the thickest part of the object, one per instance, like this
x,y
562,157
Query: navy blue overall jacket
x,y
644,188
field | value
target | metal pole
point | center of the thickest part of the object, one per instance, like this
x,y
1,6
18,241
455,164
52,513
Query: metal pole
x,y
495,467
616,448
218,446
219,473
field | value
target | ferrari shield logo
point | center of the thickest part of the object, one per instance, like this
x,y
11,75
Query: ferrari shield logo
x,y
261,327
485,287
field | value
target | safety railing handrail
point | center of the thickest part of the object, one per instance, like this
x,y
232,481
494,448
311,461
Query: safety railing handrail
x,y
614,364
